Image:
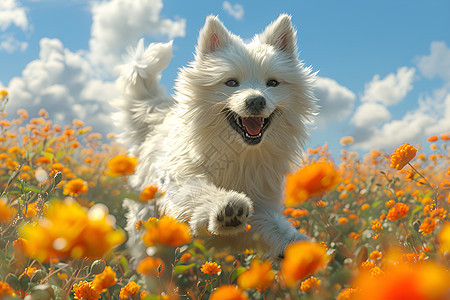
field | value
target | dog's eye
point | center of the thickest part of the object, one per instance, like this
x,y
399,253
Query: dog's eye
x,y
232,83
272,83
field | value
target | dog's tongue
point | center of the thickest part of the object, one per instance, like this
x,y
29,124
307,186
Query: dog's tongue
x,y
253,125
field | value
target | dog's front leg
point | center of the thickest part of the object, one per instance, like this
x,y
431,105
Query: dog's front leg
x,y
275,230
209,210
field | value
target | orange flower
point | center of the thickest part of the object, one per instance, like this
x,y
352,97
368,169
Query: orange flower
x,y
68,230
427,226
432,138
445,136
365,206
295,267
347,140
310,283
376,225
85,291
131,289
42,160
310,181
397,212
321,203
375,255
424,281
260,276
105,279
6,291
121,165
343,220
75,187
210,268
148,193
390,203
166,231
5,211
402,155
151,266
228,292
346,294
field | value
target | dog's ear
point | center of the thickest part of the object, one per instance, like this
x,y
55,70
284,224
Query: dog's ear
x,y
213,36
281,34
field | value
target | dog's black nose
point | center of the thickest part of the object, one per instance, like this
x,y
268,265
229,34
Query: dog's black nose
x,y
255,105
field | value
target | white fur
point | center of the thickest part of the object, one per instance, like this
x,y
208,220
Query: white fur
x,y
186,146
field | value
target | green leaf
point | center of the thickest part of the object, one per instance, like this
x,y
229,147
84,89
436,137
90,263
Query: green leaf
x,y
236,274
29,188
124,264
131,196
181,268
48,155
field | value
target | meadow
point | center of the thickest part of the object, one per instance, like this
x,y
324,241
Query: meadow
x,y
379,225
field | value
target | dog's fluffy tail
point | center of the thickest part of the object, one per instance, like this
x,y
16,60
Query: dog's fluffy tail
x,y
144,102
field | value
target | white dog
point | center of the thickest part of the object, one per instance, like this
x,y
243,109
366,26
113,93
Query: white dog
x,y
222,144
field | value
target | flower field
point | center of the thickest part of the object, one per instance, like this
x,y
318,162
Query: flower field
x,y
379,225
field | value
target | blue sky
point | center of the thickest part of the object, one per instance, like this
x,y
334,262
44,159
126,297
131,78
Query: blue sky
x,y
384,66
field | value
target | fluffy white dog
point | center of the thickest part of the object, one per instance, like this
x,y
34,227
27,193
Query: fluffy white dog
x,y
222,144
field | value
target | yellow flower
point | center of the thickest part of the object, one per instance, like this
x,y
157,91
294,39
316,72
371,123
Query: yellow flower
x,y
402,155
397,212
166,231
105,279
5,211
85,291
295,267
260,276
29,272
210,268
3,94
121,165
444,238
151,266
131,289
310,283
68,230
228,292
75,187
310,181
6,291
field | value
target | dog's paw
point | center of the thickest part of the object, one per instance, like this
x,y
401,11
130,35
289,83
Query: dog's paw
x,y
231,216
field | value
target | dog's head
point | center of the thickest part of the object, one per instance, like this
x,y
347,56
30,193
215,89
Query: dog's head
x,y
256,88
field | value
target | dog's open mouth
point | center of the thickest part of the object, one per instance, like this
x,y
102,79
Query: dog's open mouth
x,y
251,128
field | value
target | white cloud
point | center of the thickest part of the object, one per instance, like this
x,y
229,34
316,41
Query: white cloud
x,y
430,118
437,63
62,82
391,89
119,23
236,11
72,84
9,44
11,12
370,114
336,101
